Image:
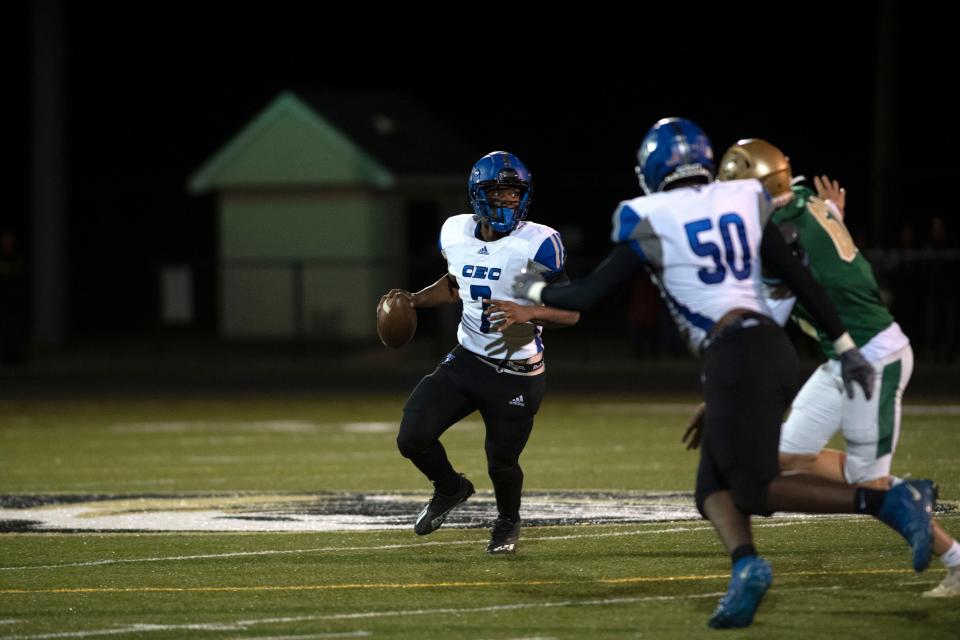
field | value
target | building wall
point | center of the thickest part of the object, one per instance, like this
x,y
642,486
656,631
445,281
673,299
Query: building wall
x,y
308,264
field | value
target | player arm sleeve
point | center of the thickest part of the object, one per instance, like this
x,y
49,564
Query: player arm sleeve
x,y
584,293
778,258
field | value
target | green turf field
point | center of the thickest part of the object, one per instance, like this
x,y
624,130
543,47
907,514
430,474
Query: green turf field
x,y
843,577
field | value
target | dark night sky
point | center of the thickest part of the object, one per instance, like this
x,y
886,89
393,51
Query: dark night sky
x,y
153,89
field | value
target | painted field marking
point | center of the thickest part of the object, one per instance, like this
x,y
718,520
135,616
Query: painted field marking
x,y
230,626
441,585
199,427
385,547
391,427
244,624
323,512
688,408
931,409
213,426
311,636
527,638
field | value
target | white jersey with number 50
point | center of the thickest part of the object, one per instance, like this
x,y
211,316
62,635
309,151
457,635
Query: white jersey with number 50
x,y
485,271
702,246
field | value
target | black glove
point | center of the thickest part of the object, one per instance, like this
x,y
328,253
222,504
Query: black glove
x,y
523,282
855,368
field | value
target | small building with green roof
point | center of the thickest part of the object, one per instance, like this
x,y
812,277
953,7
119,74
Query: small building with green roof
x,y
313,200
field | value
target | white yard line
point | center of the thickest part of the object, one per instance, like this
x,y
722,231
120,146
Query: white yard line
x,y
635,407
241,625
686,408
312,636
931,409
385,547
213,426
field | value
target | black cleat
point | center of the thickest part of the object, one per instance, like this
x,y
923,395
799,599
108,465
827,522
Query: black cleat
x,y
439,506
504,537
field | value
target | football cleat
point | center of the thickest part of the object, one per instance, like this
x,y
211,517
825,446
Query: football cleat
x,y
949,587
908,509
751,578
504,537
440,505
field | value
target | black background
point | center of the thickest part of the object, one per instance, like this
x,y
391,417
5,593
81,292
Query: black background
x,y
152,90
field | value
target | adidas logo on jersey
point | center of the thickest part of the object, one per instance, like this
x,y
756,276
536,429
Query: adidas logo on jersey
x,y
483,251
518,401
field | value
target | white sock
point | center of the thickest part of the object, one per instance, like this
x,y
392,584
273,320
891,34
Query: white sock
x,y
951,557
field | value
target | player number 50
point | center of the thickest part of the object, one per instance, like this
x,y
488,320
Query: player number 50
x,y
731,226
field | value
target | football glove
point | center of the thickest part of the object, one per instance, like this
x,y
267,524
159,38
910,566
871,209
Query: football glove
x,y
527,285
855,368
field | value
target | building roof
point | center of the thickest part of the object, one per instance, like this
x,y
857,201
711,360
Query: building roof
x,y
396,130
336,138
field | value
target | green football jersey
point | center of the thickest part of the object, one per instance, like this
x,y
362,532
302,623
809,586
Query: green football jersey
x,y
838,266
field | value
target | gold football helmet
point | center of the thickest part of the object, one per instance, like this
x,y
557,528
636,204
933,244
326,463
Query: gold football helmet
x,y
756,158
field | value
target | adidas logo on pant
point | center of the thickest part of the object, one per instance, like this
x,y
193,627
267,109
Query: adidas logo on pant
x,y
518,401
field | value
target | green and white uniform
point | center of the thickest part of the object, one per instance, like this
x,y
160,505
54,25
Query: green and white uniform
x,y
870,427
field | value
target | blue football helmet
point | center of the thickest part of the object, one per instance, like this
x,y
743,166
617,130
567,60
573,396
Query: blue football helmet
x,y
497,169
672,150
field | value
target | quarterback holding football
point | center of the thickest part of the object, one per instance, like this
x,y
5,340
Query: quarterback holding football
x,y
497,367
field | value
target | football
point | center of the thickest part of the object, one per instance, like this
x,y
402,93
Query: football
x,y
396,321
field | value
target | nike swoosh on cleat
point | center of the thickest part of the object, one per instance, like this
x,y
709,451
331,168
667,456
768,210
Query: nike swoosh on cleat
x,y
913,492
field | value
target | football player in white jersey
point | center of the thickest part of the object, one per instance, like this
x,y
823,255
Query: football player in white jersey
x,y
497,368
703,244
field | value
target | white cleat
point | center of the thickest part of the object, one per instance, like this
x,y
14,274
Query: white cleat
x,y
949,587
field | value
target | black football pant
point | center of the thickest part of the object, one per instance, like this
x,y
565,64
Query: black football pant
x,y
750,377
460,385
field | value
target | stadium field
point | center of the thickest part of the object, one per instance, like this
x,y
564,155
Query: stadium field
x,y
290,517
